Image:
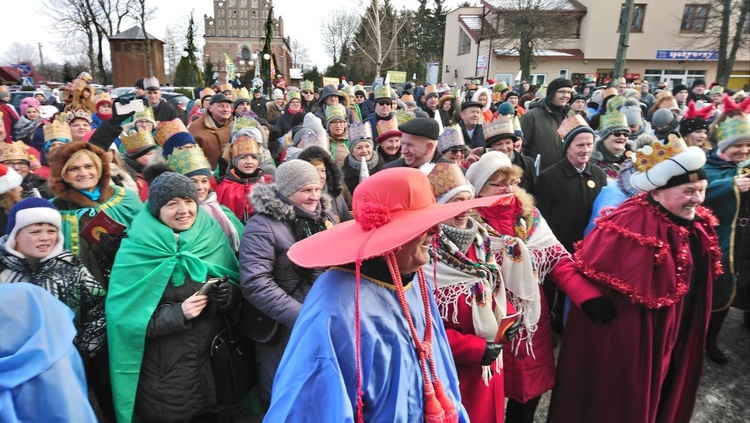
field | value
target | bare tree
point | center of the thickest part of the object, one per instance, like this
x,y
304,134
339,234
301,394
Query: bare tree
x,y
300,57
142,14
337,30
381,28
21,52
72,16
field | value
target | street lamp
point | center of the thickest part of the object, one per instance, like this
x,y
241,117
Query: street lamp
x,y
266,56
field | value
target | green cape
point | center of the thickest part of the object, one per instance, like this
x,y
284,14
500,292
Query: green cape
x,y
146,261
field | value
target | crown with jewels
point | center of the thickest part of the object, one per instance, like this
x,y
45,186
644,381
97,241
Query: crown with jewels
x,y
663,160
166,129
242,122
307,86
58,130
14,151
188,160
134,140
383,92
402,116
337,111
452,137
77,114
570,123
240,93
243,145
502,125
649,156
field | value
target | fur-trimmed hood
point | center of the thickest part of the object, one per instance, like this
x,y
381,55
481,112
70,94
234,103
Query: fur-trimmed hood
x,y
265,201
480,91
63,190
334,177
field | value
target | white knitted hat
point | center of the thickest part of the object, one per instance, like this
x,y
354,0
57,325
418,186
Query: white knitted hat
x,y
489,163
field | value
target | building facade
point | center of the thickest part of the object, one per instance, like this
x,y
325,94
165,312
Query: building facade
x,y
662,45
237,29
128,49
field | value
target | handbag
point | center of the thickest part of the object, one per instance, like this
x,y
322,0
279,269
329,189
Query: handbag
x,y
257,326
233,363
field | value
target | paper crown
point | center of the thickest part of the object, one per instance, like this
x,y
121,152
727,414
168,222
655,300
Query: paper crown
x,y
451,137
358,88
659,162
310,138
240,93
447,180
385,126
151,83
80,82
134,140
348,90
103,97
292,95
166,129
502,125
225,87
307,86
77,114
403,116
383,92
717,89
188,160
243,145
58,130
147,113
430,90
14,151
500,87
732,130
242,122
336,111
359,131
570,123
206,92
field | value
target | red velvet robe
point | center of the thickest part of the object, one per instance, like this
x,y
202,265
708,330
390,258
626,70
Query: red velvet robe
x,y
639,368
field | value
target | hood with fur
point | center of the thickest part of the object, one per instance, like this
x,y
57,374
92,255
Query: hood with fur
x,y
63,190
264,200
334,177
480,91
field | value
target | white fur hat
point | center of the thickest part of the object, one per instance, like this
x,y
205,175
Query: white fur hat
x,y
479,173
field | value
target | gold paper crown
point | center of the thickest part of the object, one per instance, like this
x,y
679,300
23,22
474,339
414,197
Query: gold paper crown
x,y
225,87
451,137
403,116
502,125
58,129
385,126
348,90
307,86
293,94
103,97
78,114
358,88
147,113
445,178
243,145
166,129
734,128
649,156
188,160
337,111
134,140
383,92
430,89
238,93
570,123
242,122
14,151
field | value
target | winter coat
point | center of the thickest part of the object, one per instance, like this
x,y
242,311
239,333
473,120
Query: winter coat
x,y
164,112
269,280
211,137
477,137
284,122
273,112
233,192
258,106
606,161
66,279
540,136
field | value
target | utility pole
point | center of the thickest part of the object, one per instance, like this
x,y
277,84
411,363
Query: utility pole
x,y
41,58
622,47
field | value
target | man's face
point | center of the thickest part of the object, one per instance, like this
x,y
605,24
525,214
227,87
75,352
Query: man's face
x,y
699,89
417,150
644,88
681,96
383,108
470,116
221,112
359,98
432,102
332,100
621,88
242,107
307,95
40,98
562,96
580,149
153,97
682,200
578,105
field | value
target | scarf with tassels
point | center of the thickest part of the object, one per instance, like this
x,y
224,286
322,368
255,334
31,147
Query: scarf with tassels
x,y
225,218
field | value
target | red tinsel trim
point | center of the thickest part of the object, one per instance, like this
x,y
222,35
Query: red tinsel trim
x,y
373,215
730,105
651,241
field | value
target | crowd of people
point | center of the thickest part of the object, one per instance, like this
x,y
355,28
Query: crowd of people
x,y
392,256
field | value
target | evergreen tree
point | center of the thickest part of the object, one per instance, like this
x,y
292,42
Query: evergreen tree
x,y
208,73
188,74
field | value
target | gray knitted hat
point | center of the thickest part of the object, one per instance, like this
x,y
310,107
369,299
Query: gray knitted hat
x,y
167,186
294,175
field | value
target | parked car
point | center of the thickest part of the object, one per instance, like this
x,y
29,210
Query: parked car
x,y
116,92
177,100
17,96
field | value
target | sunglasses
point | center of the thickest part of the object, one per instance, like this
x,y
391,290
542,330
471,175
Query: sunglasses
x,y
383,103
621,134
457,150
307,92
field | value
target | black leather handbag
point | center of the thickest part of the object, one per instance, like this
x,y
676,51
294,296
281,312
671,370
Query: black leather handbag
x,y
233,363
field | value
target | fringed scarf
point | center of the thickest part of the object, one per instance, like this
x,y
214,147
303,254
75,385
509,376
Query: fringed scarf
x,y
212,206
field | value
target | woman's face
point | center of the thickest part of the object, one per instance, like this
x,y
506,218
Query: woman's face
x,y
144,125
322,171
37,240
32,113
416,253
295,105
206,102
86,94
247,164
179,213
456,155
279,102
203,185
738,152
482,99
461,220
513,100
447,105
362,149
337,128
697,138
105,109
82,173
499,185
615,142
391,145
308,197
78,128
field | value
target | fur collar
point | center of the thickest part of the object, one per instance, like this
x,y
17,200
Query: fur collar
x,y
63,190
264,200
526,199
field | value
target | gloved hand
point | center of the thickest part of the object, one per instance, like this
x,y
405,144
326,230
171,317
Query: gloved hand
x,y
118,119
512,330
599,309
491,351
221,295
109,244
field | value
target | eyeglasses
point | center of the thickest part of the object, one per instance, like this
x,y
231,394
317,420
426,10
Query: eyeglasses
x,y
337,122
16,164
457,150
360,96
620,134
503,185
383,103
564,91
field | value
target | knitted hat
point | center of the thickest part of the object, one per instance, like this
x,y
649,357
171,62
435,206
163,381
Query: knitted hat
x,y
666,164
662,117
167,186
429,92
447,180
30,211
555,85
679,87
613,121
506,109
277,94
29,102
633,114
698,82
512,94
360,132
9,179
490,162
294,175
732,131
571,127
451,138
694,118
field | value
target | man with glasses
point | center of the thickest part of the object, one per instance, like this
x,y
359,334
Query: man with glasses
x,y
383,109
360,97
16,155
539,125
307,92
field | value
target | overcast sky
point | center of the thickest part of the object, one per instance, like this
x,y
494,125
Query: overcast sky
x,y
25,22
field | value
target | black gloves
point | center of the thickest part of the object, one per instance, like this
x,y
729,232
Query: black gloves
x,y
599,309
109,244
491,351
117,119
512,330
221,295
